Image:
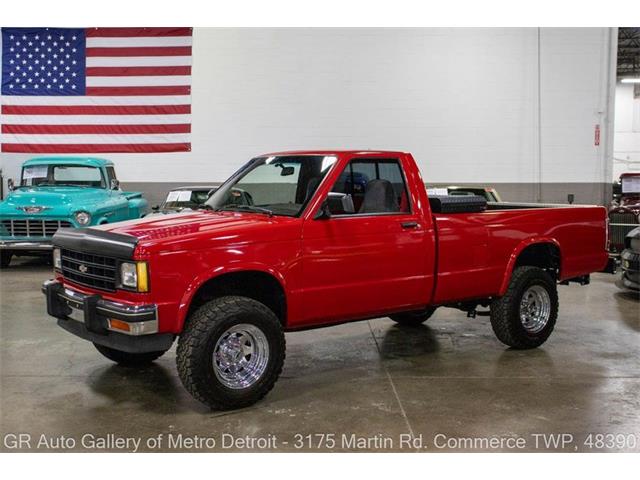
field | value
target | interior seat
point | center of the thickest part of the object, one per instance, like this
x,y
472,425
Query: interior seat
x,y
379,197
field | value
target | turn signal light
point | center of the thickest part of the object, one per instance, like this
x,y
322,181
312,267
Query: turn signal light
x,y
116,324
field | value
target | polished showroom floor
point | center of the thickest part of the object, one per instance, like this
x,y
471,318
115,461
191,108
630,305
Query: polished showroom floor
x,y
350,387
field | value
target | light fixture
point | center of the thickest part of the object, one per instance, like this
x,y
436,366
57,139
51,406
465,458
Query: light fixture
x,y
630,80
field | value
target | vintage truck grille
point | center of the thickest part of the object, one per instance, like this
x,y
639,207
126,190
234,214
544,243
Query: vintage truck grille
x,y
620,223
33,228
94,271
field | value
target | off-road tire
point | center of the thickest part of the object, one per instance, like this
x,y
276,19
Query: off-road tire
x,y
505,311
128,359
196,345
413,319
5,258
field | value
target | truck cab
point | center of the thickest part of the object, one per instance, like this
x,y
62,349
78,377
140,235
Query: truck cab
x,y
57,192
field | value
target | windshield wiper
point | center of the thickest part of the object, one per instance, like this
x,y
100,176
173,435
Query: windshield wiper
x,y
248,208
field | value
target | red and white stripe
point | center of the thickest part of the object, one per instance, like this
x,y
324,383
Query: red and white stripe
x,y
138,99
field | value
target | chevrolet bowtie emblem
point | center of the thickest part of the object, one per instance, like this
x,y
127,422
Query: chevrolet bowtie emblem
x,y
33,209
83,268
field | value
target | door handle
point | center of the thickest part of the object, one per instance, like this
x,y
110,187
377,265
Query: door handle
x,y
407,225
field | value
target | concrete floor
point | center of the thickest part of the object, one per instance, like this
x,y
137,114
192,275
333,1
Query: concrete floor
x,y
366,385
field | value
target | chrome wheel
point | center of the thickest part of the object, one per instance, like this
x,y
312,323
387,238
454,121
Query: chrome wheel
x,y
240,356
535,309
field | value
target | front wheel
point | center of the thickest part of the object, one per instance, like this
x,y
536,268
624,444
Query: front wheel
x,y
413,319
526,315
5,258
231,352
128,359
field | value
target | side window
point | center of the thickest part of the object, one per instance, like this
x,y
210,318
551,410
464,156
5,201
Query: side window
x,y
111,174
372,186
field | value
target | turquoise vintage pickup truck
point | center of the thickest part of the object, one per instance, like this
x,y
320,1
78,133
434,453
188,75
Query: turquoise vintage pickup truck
x,y
59,192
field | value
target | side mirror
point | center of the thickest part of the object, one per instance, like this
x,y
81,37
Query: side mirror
x,y
115,184
335,202
340,202
11,185
155,208
324,213
571,198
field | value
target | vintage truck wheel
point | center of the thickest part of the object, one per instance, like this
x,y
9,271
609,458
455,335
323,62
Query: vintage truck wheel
x,y
5,258
413,319
525,316
127,359
231,352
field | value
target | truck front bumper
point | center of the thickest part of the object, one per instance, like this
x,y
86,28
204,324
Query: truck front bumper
x,y
43,246
129,328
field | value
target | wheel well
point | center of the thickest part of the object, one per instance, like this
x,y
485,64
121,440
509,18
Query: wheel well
x,y
257,285
542,255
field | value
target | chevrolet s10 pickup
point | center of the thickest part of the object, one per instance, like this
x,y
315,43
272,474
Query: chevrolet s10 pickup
x,y
61,192
298,240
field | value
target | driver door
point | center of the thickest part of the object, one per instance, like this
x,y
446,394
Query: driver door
x,y
378,258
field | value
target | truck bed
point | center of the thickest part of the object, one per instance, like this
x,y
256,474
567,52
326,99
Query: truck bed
x,y
492,239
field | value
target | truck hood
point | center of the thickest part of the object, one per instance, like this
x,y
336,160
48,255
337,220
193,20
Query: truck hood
x,y
59,198
206,229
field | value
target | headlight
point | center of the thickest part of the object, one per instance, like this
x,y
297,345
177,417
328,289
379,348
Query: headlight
x,y
57,259
83,218
134,276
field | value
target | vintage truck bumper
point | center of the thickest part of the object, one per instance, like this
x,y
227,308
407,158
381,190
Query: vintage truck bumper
x,y
630,264
129,328
44,245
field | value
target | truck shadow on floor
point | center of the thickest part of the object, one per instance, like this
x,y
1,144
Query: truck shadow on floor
x,y
153,388
400,341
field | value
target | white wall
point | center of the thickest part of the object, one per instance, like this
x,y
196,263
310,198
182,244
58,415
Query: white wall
x,y
626,147
463,101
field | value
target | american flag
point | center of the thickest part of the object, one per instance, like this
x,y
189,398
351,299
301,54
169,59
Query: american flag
x,y
96,90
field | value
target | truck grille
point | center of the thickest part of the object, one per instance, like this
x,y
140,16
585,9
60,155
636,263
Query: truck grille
x,y
94,271
620,224
33,228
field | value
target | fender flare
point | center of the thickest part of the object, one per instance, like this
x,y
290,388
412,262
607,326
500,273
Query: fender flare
x,y
200,280
516,253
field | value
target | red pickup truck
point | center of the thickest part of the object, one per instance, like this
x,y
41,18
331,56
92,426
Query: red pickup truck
x,y
296,240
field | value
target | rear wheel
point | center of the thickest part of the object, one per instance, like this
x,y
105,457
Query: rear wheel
x,y
128,359
526,315
5,258
413,319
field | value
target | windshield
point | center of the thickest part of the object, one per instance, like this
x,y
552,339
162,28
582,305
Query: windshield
x,y
281,185
65,175
177,199
631,185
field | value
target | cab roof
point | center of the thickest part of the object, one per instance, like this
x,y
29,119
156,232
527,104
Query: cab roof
x,y
82,161
355,153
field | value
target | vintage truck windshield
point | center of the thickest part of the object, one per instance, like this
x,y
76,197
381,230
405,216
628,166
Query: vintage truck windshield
x,y
278,185
62,175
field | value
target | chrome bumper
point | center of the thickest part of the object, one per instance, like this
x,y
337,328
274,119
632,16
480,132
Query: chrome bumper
x,y
44,245
94,319
99,314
